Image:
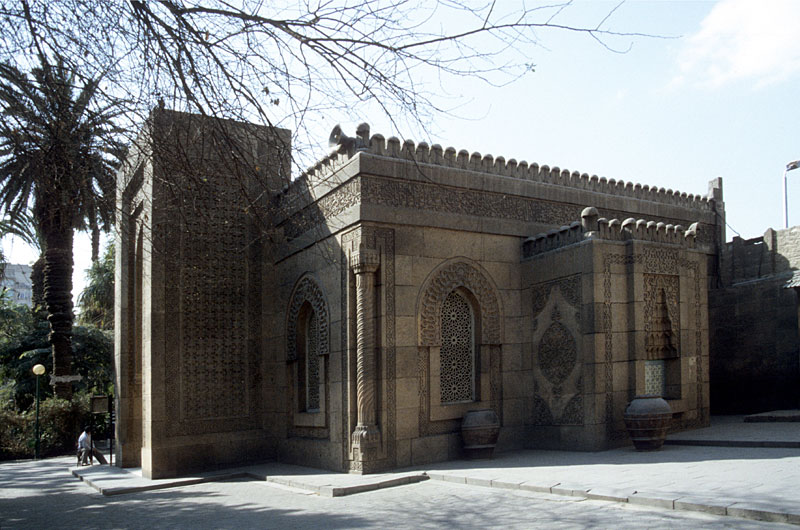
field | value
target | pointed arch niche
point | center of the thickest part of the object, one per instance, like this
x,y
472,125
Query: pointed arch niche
x,y
307,348
459,336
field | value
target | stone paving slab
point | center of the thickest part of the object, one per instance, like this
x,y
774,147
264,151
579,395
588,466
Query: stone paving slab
x,y
774,416
750,482
109,480
737,431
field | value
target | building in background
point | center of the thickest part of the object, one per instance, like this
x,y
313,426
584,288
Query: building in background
x,y
17,281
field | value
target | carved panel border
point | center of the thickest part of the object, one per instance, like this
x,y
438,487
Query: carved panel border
x,y
610,259
307,290
558,387
381,239
446,278
694,267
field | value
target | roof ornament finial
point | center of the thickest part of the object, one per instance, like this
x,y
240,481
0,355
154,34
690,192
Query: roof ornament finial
x,y
344,143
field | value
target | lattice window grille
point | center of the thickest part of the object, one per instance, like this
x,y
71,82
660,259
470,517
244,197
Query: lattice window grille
x,y
655,378
457,357
312,361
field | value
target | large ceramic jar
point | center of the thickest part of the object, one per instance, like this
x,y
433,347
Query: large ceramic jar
x,y
647,418
479,430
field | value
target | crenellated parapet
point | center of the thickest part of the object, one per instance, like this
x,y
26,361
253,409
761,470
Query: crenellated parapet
x,y
591,226
422,153
435,155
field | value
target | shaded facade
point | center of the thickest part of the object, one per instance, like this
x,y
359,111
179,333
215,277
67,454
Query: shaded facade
x,y
754,320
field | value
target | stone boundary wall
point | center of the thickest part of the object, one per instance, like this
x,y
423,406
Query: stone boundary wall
x,y
754,324
775,252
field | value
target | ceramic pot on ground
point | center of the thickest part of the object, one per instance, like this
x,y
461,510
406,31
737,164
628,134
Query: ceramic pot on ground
x,y
479,430
647,418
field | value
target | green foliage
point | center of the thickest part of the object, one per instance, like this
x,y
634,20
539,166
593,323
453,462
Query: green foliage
x,y
21,226
96,302
55,146
24,343
60,423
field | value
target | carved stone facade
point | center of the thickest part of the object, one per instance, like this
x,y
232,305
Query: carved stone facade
x,y
398,287
188,298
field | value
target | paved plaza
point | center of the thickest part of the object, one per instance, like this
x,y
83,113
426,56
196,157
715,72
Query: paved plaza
x,y
682,486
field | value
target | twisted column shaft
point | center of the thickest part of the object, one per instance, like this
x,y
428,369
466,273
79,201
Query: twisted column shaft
x,y
364,264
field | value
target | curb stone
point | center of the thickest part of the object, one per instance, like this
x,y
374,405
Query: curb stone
x,y
744,510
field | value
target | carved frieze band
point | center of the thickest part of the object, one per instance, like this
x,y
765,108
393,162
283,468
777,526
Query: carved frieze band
x,y
433,197
444,280
307,290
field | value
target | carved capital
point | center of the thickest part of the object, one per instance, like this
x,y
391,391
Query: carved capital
x,y
365,260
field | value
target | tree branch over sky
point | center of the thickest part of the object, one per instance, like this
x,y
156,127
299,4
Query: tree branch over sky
x,y
290,65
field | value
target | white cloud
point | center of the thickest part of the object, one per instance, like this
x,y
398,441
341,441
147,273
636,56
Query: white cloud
x,y
744,40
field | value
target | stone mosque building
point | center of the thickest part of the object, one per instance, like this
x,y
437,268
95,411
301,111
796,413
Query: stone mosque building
x,y
388,291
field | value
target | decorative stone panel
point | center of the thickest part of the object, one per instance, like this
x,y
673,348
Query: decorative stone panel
x,y
557,360
662,332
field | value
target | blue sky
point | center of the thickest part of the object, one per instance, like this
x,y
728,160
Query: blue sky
x,y
712,100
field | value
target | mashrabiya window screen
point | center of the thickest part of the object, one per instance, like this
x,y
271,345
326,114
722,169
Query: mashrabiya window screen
x,y
457,374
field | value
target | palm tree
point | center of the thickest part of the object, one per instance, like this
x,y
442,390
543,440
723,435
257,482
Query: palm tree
x,y
55,147
97,299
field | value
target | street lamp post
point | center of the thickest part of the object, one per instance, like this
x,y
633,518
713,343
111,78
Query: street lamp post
x,y
38,370
790,166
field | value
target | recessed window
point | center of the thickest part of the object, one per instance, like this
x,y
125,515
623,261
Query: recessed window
x,y
308,372
458,350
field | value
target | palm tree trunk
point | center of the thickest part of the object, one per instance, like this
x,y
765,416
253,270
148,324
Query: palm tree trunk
x,y
58,300
37,284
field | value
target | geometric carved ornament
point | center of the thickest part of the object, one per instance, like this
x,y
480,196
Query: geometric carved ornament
x,y
557,367
458,350
307,290
442,282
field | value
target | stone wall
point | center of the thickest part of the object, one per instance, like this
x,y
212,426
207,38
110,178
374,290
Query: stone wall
x,y
188,349
399,289
618,309
440,222
754,345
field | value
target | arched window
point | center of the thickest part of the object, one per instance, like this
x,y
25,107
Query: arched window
x,y
458,358
308,372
